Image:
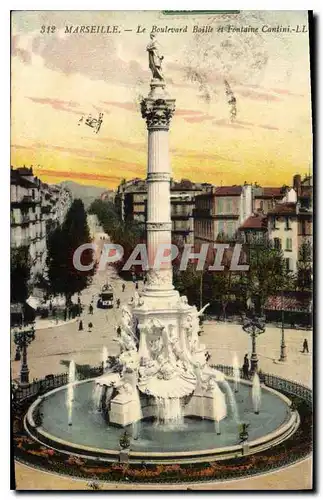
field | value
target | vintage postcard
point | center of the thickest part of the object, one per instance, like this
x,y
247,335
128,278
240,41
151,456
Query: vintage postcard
x,y
161,250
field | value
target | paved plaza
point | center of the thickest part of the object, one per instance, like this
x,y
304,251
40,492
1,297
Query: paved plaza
x,y
55,345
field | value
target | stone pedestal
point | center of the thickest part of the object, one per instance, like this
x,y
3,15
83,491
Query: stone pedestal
x,y
123,410
124,456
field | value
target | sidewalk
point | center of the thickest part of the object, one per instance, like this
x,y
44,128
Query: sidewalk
x,y
43,324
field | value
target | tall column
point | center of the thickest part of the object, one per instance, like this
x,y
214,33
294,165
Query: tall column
x,y
157,109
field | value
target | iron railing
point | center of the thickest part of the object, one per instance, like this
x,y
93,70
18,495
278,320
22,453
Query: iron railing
x,y
54,381
40,386
278,383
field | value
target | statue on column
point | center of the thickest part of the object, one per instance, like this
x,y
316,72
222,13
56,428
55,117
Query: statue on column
x,y
155,59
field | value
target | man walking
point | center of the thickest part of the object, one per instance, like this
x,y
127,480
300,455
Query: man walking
x,y
305,346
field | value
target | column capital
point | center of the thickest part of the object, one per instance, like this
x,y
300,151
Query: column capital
x,y
157,112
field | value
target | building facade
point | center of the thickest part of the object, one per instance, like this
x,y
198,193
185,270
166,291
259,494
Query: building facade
x,y
283,231
131,203
219,213
35,209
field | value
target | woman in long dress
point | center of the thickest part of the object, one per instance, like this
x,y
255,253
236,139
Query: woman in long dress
x,y
155,59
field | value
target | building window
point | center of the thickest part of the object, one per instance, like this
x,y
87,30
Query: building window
x,y
287,223
220,205
230,229
261,205
289,244
273,223
277,243
287,262
33,194
220,227
229,206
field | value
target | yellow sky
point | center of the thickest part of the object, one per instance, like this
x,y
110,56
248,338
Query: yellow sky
x,y
58,77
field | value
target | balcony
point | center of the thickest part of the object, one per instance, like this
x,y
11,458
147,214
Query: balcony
x,y
46,209
19,242
25,200
224,216
202,213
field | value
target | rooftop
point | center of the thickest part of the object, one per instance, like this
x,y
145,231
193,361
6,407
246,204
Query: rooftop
x,y
270,192
255,221
19,179
228,191
283,208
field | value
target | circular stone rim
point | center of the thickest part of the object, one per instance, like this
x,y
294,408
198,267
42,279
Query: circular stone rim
x,y
269,440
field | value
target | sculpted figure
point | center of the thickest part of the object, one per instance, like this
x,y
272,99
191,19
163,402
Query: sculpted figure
x,y
155,59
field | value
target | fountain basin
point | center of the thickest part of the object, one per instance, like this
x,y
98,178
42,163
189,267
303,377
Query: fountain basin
x,y
195,439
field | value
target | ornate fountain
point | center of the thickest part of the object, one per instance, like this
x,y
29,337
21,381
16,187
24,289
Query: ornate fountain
x,y
161,371
164,365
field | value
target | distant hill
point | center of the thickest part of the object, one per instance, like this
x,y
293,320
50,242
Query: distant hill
x,y
86,193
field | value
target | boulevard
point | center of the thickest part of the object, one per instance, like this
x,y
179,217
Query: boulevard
x,y
56,345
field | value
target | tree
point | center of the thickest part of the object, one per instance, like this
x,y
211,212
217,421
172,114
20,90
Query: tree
x,y
267,273
20,274
305,267
125,233
187,282
63,276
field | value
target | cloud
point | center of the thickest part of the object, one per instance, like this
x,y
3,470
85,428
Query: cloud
x,y
268,127
58,104
286,92
257,96
185,112
20,146
65,174
90,55
198,119
134,146
229,124
197,155
85,153
16,51
128,106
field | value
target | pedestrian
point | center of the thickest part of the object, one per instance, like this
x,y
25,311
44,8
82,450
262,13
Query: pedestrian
x,y
18,355
90,326
118,303
65,314
123,287
80,325
69,313
245,367
207,356
137,285
305,346
119,331
132,299
90,309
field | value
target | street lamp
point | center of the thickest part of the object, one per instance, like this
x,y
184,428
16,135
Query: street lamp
x,y
283,355
254,326
23,336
